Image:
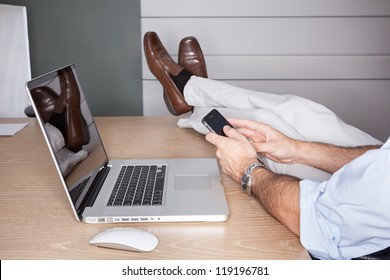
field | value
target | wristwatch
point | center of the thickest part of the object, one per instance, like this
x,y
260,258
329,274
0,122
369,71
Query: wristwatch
x,y
246,180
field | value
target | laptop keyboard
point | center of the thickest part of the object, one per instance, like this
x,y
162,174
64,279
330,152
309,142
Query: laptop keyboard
x,y
139,185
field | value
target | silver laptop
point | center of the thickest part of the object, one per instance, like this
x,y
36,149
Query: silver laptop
x,y
110,191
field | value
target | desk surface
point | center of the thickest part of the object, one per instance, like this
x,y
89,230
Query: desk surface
x,y
37,222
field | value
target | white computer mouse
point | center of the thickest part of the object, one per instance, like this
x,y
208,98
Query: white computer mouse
x,y
129,239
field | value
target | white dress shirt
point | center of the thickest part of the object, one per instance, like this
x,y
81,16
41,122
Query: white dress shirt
x,y
348,216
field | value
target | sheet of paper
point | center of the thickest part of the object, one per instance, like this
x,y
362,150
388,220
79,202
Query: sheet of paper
x,y
9,129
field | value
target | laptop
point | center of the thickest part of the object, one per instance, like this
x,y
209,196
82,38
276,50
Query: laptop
x,y
114,191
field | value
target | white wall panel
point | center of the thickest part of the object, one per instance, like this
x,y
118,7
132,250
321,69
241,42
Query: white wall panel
x,y
292,67
248,8
14,61
277,36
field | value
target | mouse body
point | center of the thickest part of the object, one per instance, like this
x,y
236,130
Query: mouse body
x,y
129,239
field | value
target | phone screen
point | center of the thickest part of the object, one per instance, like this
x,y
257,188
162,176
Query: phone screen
x,y
215,122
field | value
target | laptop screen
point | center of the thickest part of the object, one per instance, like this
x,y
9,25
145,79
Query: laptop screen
x,y
69,129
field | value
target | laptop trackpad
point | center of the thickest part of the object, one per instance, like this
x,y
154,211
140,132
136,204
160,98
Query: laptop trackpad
x,y
192,182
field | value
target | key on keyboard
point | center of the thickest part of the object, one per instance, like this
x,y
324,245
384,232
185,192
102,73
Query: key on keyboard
x,y
139,185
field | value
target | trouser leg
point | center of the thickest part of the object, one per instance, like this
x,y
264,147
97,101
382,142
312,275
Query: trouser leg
x,y
306,119
296,117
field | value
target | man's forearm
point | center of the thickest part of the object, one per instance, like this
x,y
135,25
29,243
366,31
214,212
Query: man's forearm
x,y
329,158
279,194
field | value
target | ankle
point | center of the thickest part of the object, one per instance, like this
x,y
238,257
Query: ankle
x,y
181,79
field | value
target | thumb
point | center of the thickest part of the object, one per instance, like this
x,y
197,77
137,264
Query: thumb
x,y
233,133
211,137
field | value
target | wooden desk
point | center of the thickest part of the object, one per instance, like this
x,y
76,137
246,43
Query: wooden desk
x,y
37,222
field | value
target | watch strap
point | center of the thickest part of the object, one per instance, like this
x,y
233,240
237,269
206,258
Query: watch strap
x,y
246,180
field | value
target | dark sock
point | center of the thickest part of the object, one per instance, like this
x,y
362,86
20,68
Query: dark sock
x,y
181,79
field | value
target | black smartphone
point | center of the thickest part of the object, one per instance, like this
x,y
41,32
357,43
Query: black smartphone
x,y
215,122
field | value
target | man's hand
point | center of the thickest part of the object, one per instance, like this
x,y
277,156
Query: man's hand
x,y
279,194
267,140
282,149
234,152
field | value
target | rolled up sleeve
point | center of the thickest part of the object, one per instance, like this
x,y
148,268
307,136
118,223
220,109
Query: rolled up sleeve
x,y
349,215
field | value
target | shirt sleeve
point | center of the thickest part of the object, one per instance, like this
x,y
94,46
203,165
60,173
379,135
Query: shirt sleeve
x,y
349,215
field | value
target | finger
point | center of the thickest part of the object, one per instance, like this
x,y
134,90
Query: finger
x,y
246,132
241,122
213,138
250,125
233,133
230,132
210,137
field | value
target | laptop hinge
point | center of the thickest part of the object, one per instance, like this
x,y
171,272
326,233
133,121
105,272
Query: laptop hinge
x,y
94,188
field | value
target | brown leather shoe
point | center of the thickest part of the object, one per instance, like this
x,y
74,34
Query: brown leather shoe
x,y
45,99
191,57
161,65
66,114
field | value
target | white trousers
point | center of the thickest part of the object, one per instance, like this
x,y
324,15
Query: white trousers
x,y
297,117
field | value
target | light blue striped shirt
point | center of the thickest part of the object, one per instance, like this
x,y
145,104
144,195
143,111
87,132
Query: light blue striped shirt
x,y
348,216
